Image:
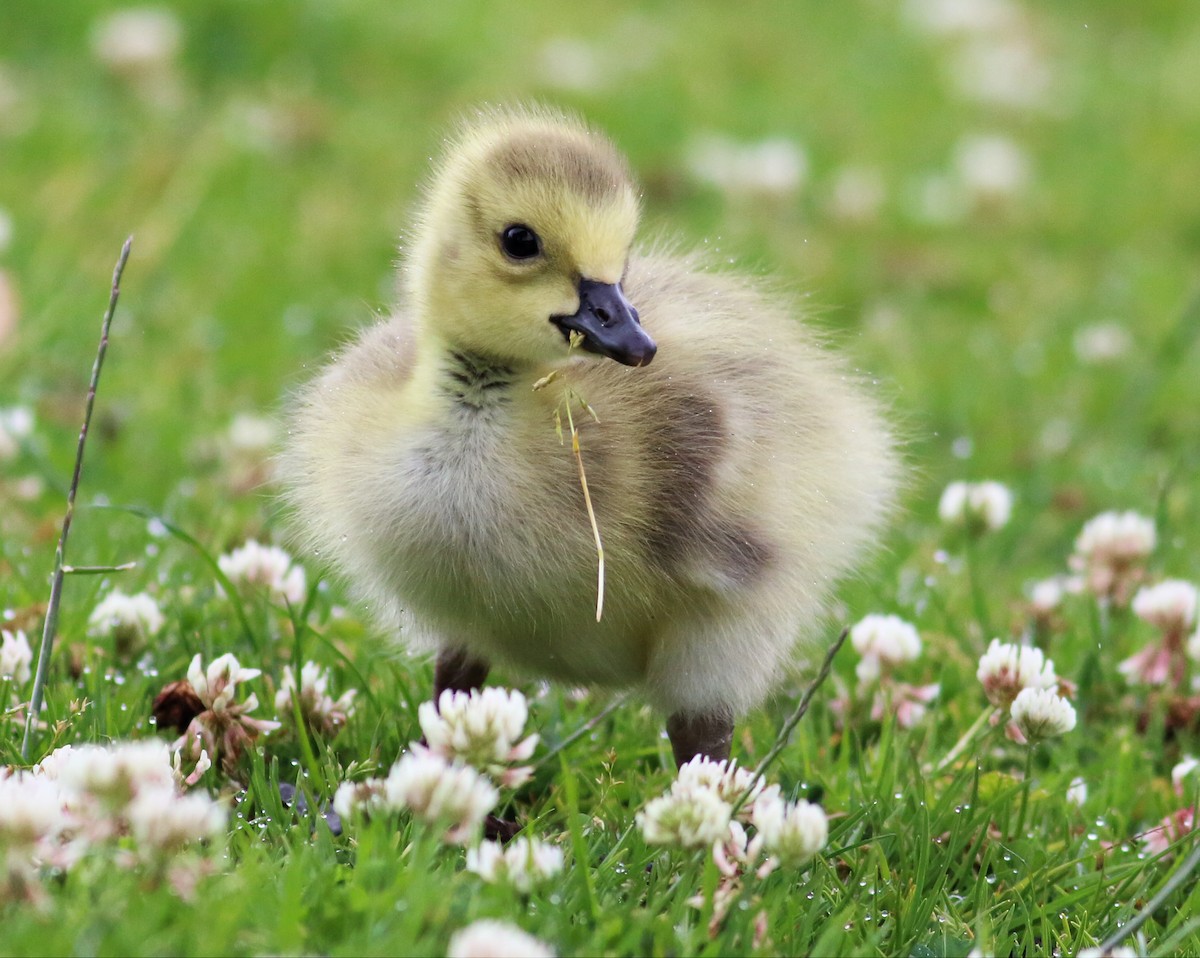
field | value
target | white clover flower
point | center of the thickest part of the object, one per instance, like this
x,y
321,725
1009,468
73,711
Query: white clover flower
x,y
937,199
1169,606
724,778
496,939
1007,71
954,18
320,710
976,506
15,656
216,722
354,799
883,640
481,728
252,435
857,194
570,63
33,809
115,774
1116,951
1182,770
1042,713
165,822
772,167
137,39
524,863
739,852
203,764
992,168
217,685
1102,343
130,620
441,793
1005,670
1111,551
687,818
1046,596
792,832
1077,792
268,567
16,423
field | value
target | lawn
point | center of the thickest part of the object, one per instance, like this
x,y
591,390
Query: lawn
x,y
992,206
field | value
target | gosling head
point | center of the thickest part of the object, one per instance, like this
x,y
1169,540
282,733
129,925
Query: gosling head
x,y
523,242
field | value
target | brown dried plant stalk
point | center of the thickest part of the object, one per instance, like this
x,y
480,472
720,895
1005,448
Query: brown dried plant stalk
x,y
60,567
570,397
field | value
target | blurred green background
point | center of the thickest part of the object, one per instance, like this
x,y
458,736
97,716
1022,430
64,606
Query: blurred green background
x,y
994,206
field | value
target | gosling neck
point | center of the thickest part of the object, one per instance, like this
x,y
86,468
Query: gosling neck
x,y
474,382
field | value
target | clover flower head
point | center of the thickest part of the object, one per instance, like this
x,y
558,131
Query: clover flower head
x,y
1169,606
1182,771
487,938
164,822
205,709
1046,596
32,810
686,818
129,620
740,852
217,685
907,702
16,423
775,166
976,506
724,778
1042,713
15,656
523,863
137,40
792,832
482,728
251,434
1077,792
115,775
1111,551
1006,669
269,567
883,641
319,709
441,792
1174,827
360,799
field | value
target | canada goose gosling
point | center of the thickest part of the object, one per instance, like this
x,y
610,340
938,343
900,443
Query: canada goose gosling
x,y
736,470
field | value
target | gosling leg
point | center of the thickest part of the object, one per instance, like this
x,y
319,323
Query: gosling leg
x,y
709,734
458,671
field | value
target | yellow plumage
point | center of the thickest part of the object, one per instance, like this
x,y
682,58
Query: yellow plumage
x,y
735,477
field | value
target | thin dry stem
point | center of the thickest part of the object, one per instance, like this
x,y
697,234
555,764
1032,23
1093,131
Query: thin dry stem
x,y
51,624
587,500
787,728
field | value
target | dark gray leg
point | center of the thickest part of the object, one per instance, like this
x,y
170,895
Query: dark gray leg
x,y
458,670
706,733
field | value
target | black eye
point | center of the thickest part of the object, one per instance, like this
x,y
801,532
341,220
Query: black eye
x,y
520,242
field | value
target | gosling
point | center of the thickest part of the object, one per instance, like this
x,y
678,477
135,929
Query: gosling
x,y
734,467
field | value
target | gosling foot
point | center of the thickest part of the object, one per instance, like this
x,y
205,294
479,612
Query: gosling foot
x,y
458,671
709,734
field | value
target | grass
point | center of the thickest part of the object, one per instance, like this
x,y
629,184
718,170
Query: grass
x,y
266,190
